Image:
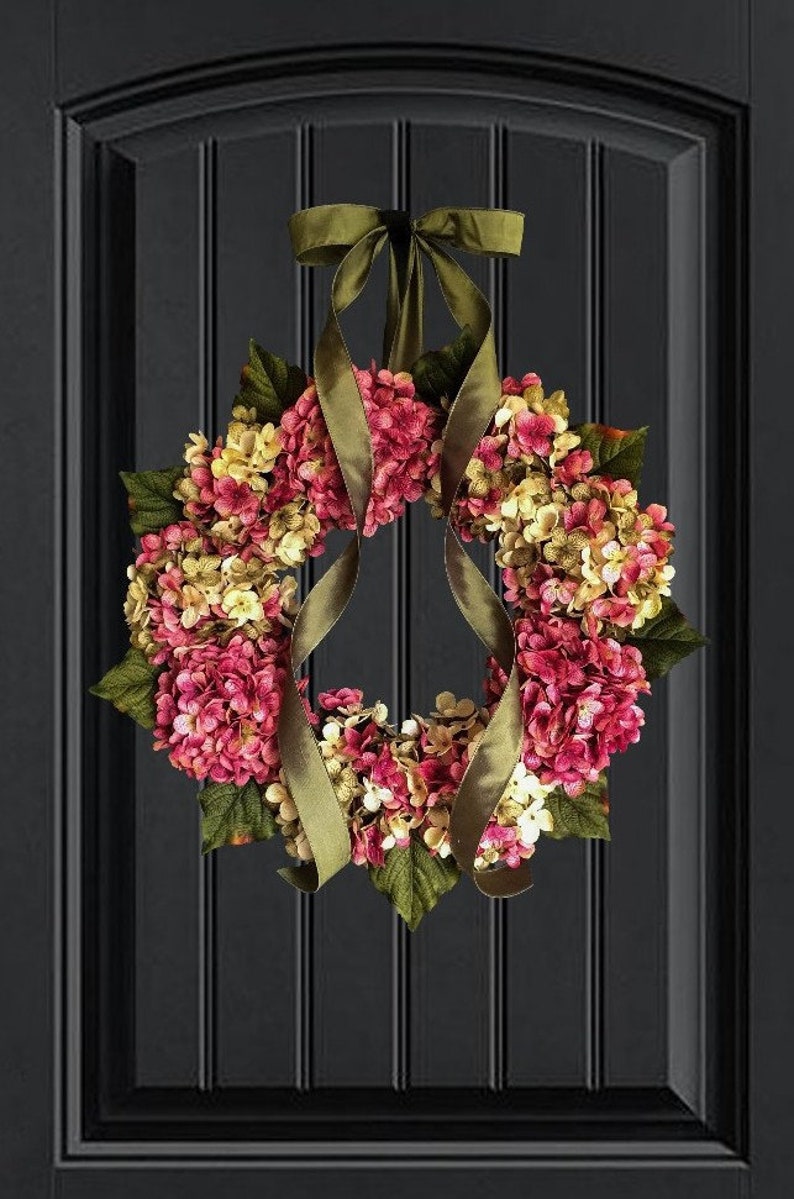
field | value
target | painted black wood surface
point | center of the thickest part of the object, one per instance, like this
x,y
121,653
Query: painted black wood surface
x,y
177,1025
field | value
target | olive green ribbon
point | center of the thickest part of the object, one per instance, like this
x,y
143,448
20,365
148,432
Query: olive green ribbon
x,y
351,236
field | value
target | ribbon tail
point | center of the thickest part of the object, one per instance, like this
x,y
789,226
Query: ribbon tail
x,y
305,774
491,766
313,794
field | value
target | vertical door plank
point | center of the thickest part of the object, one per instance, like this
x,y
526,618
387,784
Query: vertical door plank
x,y
547,331
547,287
166,843
255,915
352,968
449,165
636,393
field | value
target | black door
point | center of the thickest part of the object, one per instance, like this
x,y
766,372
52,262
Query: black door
x,y
179,1026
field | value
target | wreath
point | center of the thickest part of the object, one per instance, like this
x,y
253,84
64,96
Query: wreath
x,y
217,634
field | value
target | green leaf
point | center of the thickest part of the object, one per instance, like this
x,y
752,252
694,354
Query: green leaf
x,y
616,452
439,373
234,815
269,384
665,640
584,816
413,880
130,687
151,500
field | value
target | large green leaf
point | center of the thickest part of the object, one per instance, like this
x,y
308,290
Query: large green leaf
x,y
665,639
413,880
130,687
582,816
616,452
234,815
269,384
152,503
439,373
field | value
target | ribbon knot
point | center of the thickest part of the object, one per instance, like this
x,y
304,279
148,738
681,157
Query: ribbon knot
x,y
352,235
399,225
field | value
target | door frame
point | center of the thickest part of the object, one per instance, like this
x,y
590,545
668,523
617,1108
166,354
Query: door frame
x,y
31,1102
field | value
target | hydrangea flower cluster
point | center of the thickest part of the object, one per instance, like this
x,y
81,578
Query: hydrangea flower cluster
x,y
393,784
277,491
209,598
404,434
568,541
579,695
183,591
217,711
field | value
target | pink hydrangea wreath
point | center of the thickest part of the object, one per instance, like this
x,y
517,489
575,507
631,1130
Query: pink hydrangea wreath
x,y
212,595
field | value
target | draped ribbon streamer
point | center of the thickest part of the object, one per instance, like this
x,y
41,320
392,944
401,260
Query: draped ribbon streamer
x,y
352,236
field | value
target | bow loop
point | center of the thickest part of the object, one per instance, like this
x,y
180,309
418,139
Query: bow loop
x,y
322,236
496,232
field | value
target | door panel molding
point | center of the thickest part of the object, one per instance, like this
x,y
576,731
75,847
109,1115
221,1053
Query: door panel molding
x,y
621,135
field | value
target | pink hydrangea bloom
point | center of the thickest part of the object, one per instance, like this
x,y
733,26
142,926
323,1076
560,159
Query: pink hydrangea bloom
x,y
586,516
441,772
385,772
470,508
619,612
165,614
342,698
517,387
403,431
490,450
366,844
573,467
514,590
579,695
156,546
222,498
217,712
308,465
361,745
371,758
533,435
659,545
442,775
506,840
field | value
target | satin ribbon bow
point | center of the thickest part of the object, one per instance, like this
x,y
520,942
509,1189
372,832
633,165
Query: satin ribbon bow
x,y
352,236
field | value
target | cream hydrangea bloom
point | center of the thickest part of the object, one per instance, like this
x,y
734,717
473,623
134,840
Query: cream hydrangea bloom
x,y
292,531
242,606
436,836
374,796
523,805
249,453
533,820
525,786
